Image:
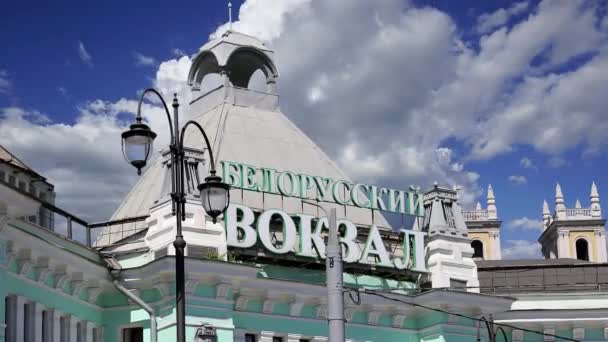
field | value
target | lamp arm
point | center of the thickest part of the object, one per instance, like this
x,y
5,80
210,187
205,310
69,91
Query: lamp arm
x,y
141,100
200,128
504,334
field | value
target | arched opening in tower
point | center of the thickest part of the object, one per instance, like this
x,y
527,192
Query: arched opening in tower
x,y
582,249
477,249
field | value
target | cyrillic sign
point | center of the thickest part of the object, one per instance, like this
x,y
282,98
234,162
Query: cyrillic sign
x,y
244,231
323,189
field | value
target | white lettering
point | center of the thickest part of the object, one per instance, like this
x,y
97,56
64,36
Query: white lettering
x,y
374,246
234,226
289,231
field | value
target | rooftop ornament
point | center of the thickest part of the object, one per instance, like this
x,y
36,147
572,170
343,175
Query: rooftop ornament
x,y
137,145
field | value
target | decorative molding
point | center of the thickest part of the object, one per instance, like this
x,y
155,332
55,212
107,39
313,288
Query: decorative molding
x,y
191,285
77,287
163,288
319,339
322,311
266,336
373,317
295,308
294,337
398,320
549,331
94,293
241,303
348,314
25,267
62,279
221,290
517,336
268,306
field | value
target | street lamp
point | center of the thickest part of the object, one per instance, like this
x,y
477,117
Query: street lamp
x,y
492,333
214,194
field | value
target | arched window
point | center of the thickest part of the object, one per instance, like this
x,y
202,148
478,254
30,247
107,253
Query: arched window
x,y
477,249
582,249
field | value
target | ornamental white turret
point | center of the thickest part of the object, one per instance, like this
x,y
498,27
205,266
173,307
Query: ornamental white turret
x,y
578,205
560,207
546,215
478,206
596,209
491,201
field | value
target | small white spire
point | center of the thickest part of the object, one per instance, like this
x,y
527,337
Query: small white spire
x,y
578,204
546,208
478,206
596,209
560,207
491,201
546,215
229,15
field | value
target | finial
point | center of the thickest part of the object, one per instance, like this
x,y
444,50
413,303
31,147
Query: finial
x,y
558,192
578,204
229,15
490,192
594,192
478,206
546,208
491,204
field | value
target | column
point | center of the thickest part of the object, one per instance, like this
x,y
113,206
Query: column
x,y
600,245
20,319
55,323
497,255
563,245
38,309
73,329
89,331
293,338
266,336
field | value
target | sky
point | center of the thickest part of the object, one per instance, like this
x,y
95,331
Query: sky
x,y
399,93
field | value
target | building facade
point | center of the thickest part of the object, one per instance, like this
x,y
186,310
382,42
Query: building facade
x,y
258,273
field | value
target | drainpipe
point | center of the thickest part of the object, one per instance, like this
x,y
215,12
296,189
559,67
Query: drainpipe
x,y
148,308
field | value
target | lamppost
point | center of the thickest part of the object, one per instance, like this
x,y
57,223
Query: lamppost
x,y
492,334
334,267
214,194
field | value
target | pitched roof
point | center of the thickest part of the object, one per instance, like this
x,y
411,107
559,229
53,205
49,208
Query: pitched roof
x,y
7,157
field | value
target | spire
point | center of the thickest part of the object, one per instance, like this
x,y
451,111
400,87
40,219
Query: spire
x,y
492,212
578,204
560,207
478,206
546,215
596,209
229,16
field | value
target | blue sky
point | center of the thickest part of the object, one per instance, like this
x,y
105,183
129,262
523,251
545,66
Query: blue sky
x,y
71,68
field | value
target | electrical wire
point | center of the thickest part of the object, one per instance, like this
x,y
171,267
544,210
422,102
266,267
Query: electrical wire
x,y
382,295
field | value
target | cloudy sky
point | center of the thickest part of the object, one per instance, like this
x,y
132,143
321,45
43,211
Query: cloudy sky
x,y
465,93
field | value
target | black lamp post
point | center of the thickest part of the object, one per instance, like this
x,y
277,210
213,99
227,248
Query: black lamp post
x,y
492,333
214,194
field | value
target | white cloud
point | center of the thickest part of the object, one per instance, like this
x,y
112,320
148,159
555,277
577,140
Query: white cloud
x,y
178,52
525,223
84,55
143,60
522,249
518,179
556,162
527,163
489,21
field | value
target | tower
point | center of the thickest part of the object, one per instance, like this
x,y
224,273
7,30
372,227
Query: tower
x,y
576,233
484,229
448,248
247,132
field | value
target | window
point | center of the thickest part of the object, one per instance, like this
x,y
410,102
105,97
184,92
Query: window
x,y
96,333
12,180
250,338
10,309
135,334
582,249
28,322
80,332
2,175
477,249
22,185
277,339
458,284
